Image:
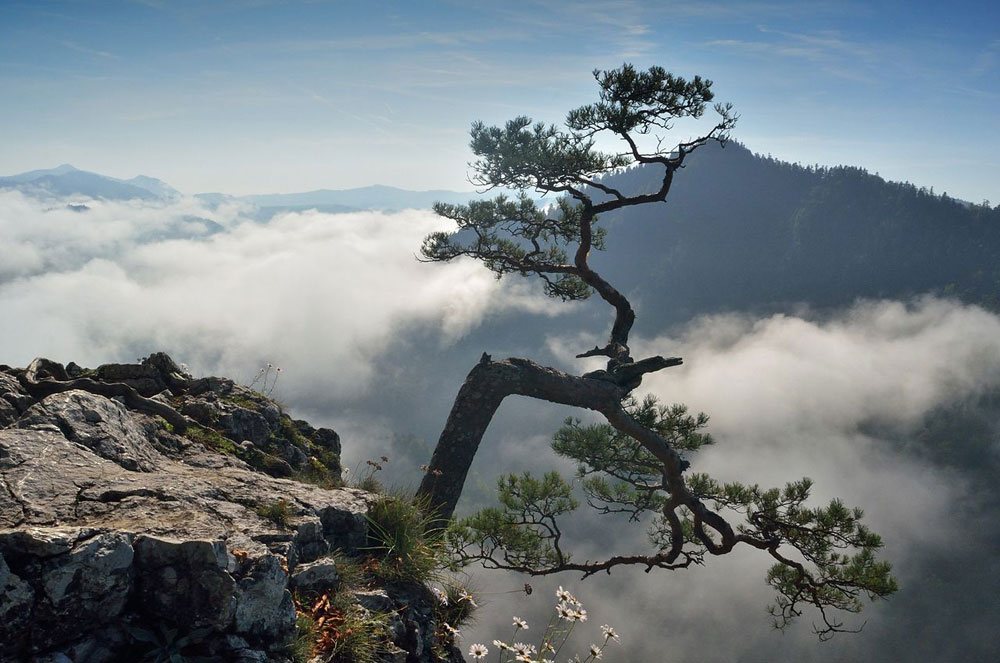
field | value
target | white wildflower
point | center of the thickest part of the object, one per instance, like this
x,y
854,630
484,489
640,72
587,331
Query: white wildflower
x,y
520,623
523,649
478,651
609,633
595,651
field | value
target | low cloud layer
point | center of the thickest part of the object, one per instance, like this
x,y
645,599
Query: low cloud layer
x,y
341,304
319,295
830,398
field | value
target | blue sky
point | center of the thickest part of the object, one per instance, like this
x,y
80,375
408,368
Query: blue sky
x,y
257,96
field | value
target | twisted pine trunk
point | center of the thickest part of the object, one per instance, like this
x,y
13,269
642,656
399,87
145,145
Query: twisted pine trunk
x,y
484,389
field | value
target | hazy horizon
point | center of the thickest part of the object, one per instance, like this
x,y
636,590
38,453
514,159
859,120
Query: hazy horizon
x,y
250,97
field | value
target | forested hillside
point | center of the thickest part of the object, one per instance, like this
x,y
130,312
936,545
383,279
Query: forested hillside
x,y
747,232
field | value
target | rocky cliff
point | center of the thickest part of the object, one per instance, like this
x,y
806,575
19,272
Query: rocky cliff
x,y
146,514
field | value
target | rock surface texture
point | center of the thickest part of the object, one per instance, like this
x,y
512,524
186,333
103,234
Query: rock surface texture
x,y
125,537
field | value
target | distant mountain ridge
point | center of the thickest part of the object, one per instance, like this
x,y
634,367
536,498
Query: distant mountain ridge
x,y
66,180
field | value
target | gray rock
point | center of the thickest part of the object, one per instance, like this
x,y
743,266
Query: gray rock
x,y
110,521
264,608
97,423
328,439
144,378
16,601
316,577
241,423
8,413
185,582
13,393
82,590
202,411
309,542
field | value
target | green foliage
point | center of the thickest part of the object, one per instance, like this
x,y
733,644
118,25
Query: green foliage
x,y
530,155
242,401
303,645
317,471
279,512
826,556
524,529
210,438
642,101
455,606
636,476
403,540
838,550
516,237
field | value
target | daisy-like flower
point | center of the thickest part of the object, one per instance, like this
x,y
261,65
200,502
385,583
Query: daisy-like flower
x,y
520,623
581,615
548,647
466,596
609,633
500,644
564,595
451,629
442,597
595,651
478,651
565,612
524,650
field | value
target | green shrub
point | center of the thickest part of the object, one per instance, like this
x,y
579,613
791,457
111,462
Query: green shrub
x,y
277,512
402,541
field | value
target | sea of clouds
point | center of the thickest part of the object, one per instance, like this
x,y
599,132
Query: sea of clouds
x,y
340,302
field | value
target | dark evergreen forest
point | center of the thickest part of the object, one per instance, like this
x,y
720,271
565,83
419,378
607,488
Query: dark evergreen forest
x,y
745,232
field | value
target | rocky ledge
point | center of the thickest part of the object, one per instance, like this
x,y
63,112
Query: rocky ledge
x,y
146,514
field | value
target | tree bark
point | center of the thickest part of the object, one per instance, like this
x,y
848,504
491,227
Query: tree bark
x,y
485,388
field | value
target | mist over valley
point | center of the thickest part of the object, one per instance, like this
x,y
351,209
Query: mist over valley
x,y
832,325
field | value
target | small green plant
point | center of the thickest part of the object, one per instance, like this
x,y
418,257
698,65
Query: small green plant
x,y
210,438
366,479
453,609
568,612
455,605
303,645
403,541
277,512
167,645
